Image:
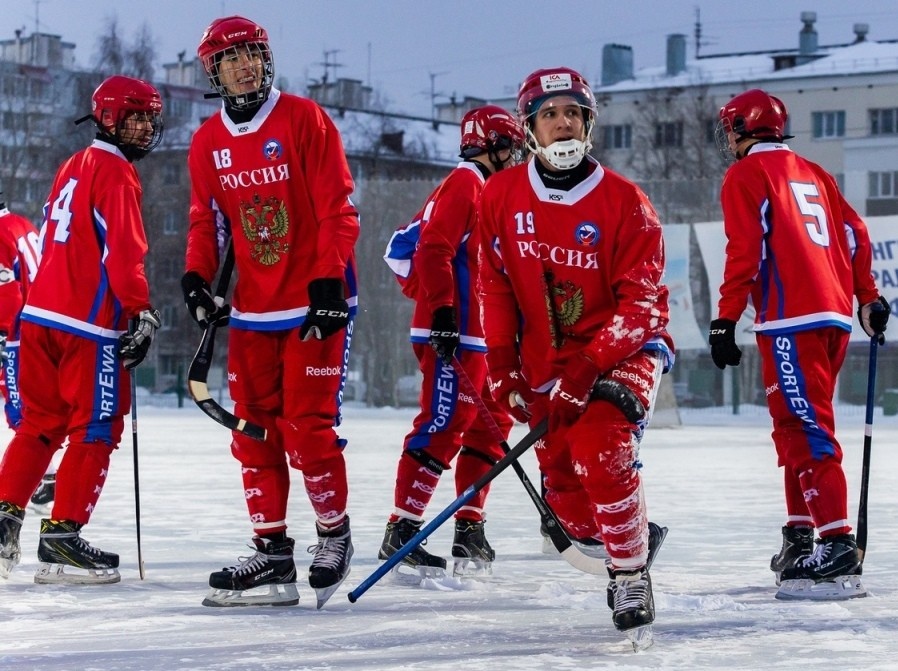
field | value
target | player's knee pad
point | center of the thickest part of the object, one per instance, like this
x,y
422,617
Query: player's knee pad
x,y
622,397
475,453
428,460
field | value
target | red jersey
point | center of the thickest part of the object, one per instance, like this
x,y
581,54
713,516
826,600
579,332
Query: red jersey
x,y
571,271
793,244
443,267
92,278
19,258
279,184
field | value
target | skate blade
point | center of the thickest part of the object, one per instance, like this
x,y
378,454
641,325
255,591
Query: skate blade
x,y
841,589
404,574
7,564
591,551
61,574
274,595
323,594
548,548
472,568
641,638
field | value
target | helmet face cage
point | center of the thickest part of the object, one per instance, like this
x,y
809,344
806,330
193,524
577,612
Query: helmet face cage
x,y
491,129
543,84
235,37
119,105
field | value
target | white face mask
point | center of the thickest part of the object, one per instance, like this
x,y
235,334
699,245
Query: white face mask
x,y
564,155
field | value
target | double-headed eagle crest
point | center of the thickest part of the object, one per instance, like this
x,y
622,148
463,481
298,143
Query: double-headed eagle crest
x,y
564,301
265,224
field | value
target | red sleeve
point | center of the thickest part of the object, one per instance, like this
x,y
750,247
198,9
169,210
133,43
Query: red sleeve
x,y
330,185
10,287
641,297
499,311
442,233
202,233
861,254
745,240
126,245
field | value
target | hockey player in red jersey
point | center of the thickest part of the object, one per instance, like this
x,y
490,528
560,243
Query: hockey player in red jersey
x,y
19,258
435,259
268,171
76,343
798,250
574,314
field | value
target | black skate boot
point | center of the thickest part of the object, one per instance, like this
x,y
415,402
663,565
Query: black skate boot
x,y
271,566
42,499
470,546
634,605
11,517
831,573
797,542
657,534
61,547
330,565
398,534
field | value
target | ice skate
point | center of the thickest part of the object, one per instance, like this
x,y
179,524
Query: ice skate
x,y
11,517
424,564
657,534
634,606
330,565
798,542
66,558
42,499
831,573
472,552
267,578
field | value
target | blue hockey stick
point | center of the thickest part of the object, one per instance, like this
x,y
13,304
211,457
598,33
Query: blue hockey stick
x,y
868,439
525,444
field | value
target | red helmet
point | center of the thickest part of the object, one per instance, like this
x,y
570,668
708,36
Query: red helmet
x,y
117,98
755,113
231,32
488,129
548,82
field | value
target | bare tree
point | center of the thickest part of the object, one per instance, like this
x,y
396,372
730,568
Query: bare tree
x,y
115,56
141,54
110,56
674,156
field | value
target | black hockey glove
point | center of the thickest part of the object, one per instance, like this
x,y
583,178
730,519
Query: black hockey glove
x,y
200,304
874,317
133,346
722,338
328,309
3,354
444,336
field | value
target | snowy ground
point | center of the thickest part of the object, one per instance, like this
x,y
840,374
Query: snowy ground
x,y
715,486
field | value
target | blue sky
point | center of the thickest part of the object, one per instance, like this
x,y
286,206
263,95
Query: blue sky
x,y
410,48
